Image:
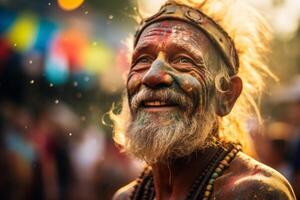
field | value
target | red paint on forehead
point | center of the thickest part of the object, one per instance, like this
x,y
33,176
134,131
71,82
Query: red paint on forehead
x,y
162,32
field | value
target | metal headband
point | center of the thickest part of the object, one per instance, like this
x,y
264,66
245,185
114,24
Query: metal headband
x,y
214,31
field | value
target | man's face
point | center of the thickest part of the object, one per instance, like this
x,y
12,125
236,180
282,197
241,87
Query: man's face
x,y
170,90
172,55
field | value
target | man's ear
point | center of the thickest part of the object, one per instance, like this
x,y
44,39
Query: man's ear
x,y
226,98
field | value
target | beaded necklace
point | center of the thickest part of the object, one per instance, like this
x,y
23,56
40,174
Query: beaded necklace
x,y
202,187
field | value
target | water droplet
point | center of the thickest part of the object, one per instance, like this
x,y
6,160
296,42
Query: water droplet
x,y
75,83
86,12
15,44
110,17
95,43
49,4
32,82
51,85
30,61
56,101
70,134
83,118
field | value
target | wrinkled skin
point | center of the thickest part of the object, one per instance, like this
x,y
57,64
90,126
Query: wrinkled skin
x,y
169,54
176,55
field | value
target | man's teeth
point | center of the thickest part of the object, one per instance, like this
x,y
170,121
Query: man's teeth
x,y
155,103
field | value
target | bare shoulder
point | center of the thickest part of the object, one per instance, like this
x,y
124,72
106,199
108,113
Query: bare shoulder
x,y
124,192
247,178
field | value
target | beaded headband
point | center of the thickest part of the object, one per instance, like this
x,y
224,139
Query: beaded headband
x,y
214,31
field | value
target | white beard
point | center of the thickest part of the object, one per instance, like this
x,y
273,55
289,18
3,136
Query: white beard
x,y
162,136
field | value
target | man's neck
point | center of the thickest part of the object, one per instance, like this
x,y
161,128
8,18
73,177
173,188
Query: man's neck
x,y
173,179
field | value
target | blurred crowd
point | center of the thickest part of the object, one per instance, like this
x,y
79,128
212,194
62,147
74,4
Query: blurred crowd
x,y
278,142
56,84
48,155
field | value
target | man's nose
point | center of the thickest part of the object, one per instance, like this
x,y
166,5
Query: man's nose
x,y
158,75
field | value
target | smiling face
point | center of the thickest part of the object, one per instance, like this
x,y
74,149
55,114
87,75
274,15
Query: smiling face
x,y
172,55
171,91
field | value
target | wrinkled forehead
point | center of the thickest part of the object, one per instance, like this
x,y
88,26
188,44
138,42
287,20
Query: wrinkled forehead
x,y
173,31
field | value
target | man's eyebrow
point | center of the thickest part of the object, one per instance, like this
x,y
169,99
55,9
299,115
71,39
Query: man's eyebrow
x,y
188,48
145,47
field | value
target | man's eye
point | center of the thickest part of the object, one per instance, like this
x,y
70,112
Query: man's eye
x,y
183,60
144,59
142,63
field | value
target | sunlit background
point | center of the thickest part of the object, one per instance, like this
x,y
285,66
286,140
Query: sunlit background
x,y
62,66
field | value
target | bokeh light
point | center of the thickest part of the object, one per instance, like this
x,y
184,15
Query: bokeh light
x,y
98,58
72,42
56,68
149,7
23,32
283,15
69,4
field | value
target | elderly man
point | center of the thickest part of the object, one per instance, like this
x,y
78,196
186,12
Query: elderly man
x,y
184,112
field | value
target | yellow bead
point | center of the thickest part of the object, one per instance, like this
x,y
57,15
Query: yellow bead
x,y
209,187
227,158
207,193
231,154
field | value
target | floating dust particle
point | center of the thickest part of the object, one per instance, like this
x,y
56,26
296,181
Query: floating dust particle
x,y
56,101
51,85
15,44
110,17
70,134
30,61
95,43
49,4
32,82
75,83
86,12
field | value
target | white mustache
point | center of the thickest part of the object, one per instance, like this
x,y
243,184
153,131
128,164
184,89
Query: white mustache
x,y
163,95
